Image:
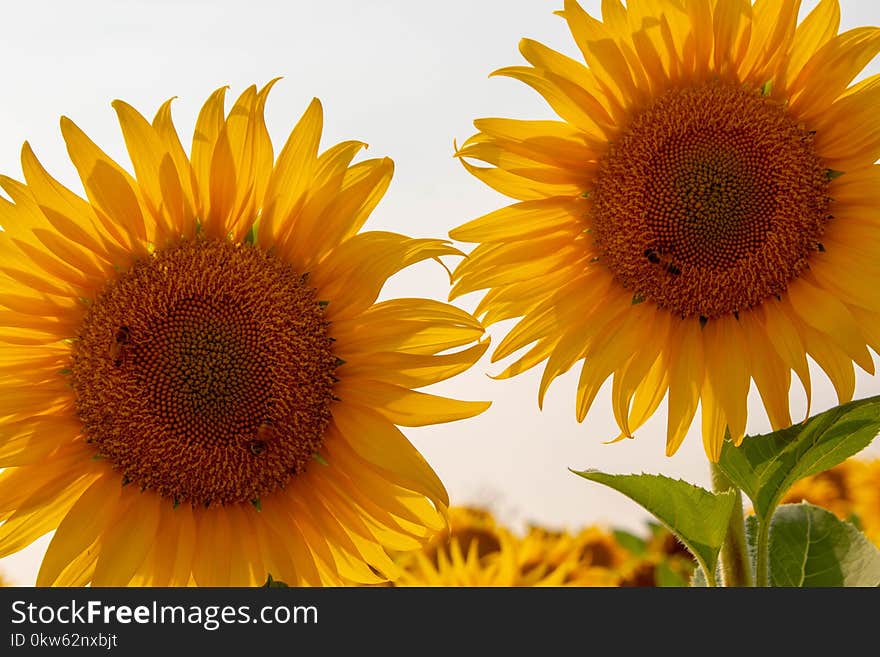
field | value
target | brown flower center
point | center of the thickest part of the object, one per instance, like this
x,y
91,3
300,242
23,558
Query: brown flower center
x,y
205,373
711,201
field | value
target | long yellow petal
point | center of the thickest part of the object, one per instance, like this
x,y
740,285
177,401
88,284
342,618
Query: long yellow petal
x,y
81,527
727,373
378,441
110,190
290,179
686,374
127,538
208,126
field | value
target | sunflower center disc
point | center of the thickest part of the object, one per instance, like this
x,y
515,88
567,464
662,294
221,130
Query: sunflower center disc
x,y
205,373
710,202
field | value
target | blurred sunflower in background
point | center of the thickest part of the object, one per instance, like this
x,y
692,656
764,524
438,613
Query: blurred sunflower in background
x,y
705,213
473,551
197,385
591,557
477,550
850,490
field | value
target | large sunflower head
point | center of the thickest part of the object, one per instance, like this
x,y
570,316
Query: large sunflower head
x,y
704,214
197,383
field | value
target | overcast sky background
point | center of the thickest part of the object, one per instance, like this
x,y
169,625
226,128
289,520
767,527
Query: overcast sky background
x,y
408,77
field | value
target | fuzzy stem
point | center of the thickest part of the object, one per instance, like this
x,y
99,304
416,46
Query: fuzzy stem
x,y
710,578
762,553
735,567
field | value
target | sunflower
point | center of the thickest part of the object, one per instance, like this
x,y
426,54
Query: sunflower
x,y
198,384
477,551
705,213
850,490
832,489
474,551
591,557
866,491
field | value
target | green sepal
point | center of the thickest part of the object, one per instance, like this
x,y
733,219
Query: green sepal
x,y
272,583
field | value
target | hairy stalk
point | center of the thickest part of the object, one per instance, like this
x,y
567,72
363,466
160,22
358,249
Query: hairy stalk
x,y
762,553
735,567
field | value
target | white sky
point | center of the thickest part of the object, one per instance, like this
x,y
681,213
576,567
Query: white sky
x,y
408,78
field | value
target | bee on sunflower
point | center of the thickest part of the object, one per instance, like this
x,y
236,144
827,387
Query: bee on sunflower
x,y
197,383
704,214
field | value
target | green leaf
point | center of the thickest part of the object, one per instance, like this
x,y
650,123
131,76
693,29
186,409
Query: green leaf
x,y
668,578
765,467
810,546
630,542
697,517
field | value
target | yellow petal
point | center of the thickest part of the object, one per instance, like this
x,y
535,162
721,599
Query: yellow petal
x,y
128,537
69,214
714,422
291,177
185,546
155,171
207,129
815,31
772,377
406,407
521,221
81,527
727,373
830,316
211,564
41,512
353,274
378,441
412,326
110,190
686,372
570,101
836,63
412,370
184,173
842,148
783,333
